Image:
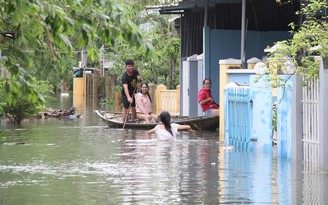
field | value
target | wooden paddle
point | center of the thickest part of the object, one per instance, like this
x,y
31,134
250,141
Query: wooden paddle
x,y
127,114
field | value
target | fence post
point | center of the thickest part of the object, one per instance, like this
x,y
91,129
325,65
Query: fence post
x,y
96,79
109,85
118,101
323,117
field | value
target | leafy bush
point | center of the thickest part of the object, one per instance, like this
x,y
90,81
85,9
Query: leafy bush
x,y
310,39
19,104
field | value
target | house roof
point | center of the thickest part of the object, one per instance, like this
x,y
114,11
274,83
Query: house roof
x,y
192,4
261,16
178,9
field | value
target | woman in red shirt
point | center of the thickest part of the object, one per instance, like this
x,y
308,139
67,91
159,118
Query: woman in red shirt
x,y
206,100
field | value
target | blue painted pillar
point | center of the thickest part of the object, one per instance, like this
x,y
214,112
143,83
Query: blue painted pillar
x,y
284,118
261,112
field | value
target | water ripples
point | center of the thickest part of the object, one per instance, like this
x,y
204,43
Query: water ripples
x,y
95,165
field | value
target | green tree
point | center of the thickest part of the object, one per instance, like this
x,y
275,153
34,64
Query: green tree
x,y
162,66
39,37
310,39
27,105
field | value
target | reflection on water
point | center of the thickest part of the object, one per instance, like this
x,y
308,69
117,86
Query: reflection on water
x,y
78,162
68,164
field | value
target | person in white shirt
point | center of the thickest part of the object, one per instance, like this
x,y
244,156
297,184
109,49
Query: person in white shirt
x,y
167,130
143,105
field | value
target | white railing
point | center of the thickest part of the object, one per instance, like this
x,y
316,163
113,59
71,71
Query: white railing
x,y
311,123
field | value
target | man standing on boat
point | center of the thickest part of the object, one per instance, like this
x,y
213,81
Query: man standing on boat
x,y
206,101
130,79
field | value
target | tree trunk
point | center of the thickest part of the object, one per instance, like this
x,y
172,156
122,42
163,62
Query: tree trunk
x,y
174,69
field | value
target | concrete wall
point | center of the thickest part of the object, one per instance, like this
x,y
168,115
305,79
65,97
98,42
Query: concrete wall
x,y
223,44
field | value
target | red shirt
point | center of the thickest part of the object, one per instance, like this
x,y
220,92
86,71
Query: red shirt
x,y
204,94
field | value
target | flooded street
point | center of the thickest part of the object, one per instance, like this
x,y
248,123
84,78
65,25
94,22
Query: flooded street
x,y
80,162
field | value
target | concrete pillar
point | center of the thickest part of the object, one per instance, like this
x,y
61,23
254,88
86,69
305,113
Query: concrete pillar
x,y
252,62
225,64
78,92
261,95
323,117
297,119
284,112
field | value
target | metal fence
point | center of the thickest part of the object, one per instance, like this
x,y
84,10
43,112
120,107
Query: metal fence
x,y
311,122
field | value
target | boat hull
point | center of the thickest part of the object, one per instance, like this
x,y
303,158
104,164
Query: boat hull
x,y
115,120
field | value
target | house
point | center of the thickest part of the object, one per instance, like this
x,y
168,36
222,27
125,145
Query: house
x,y
240,29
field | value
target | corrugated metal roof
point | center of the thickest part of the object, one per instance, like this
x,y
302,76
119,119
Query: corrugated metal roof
x,y
191,4
262,15
175,9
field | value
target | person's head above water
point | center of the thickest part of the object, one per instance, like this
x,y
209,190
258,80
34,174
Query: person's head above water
x,y
165,118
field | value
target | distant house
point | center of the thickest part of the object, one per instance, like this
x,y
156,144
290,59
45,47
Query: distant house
x,y
214,28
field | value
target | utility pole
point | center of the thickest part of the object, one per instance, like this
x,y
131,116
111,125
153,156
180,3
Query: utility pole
x,y
242,38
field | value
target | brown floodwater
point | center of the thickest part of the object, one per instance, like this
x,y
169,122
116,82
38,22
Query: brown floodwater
x,y
79,161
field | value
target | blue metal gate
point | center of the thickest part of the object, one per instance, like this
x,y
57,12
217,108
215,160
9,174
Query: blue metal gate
x,y
237,117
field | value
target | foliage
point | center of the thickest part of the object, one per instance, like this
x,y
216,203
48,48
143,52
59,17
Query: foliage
x,y
108,101
310,39
20,105
162,66
40,38
298,55
2,137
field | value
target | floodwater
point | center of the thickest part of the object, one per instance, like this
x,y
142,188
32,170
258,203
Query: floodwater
x,y
79,161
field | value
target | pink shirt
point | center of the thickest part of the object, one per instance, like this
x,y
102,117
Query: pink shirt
x,y
143,104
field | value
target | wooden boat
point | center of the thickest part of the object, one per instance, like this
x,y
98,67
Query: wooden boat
x,y
115,120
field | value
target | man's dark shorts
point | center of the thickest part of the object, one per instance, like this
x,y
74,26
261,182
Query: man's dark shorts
x,y
126,103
